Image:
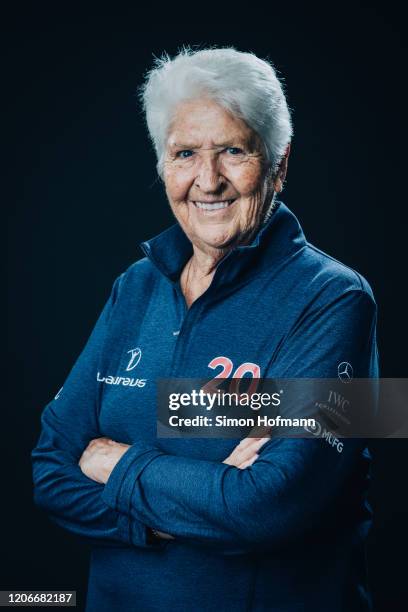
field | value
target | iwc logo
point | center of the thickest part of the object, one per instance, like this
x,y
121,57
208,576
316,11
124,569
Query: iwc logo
x,y
345,371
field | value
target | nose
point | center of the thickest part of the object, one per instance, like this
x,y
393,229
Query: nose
x,y
209,179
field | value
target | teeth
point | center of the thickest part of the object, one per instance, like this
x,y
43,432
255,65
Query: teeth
x,y
213,205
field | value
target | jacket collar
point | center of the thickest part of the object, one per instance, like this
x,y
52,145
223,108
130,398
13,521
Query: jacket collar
x,y
276,240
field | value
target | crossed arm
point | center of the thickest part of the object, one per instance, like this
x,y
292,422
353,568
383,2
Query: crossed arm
x,y
285,488
102,455
111,492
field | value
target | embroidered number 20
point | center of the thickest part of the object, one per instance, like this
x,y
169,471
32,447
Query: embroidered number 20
x,y
227,367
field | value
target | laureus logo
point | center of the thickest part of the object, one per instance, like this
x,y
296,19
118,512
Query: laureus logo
x,y
125,381
135,357
345,371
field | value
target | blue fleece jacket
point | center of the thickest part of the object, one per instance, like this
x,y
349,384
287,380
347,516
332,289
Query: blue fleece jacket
x,y
285,534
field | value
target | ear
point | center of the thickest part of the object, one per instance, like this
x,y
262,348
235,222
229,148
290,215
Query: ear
x,y
282,170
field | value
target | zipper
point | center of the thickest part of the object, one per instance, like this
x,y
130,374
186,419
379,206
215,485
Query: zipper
x,y
186,325
190,315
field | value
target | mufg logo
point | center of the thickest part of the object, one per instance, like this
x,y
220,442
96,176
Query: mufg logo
x,y
135,357
345,371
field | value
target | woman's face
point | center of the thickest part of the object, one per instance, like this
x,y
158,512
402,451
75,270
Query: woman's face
x,y
216,175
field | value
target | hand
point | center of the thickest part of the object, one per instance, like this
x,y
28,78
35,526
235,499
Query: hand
x,y
164,536
246,452
100,457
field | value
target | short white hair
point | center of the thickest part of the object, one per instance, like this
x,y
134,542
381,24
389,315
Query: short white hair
x,y
241,82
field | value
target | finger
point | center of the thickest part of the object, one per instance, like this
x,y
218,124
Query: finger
x,y
239,455
101,442
251,447
249,462
248,441
263,432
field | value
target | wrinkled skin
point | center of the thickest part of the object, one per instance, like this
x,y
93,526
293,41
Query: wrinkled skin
x,y
213,156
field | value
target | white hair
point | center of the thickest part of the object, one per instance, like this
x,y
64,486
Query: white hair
x,y
241,82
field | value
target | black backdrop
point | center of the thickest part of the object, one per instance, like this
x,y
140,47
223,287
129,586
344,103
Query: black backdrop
x,y
83,194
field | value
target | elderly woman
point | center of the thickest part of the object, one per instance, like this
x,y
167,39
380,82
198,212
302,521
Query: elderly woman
x,y
232,289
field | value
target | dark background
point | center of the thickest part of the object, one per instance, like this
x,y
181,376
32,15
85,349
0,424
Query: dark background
x,y
83,193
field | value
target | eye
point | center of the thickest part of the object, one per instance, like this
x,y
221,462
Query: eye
x,y
184,154
234,150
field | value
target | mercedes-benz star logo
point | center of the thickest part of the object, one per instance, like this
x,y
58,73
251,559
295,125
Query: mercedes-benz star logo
x,y
345,371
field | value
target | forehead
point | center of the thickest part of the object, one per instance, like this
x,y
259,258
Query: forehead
x,y
204,122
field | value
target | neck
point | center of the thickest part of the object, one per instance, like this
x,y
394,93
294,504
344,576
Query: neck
x,y
198,274
203,263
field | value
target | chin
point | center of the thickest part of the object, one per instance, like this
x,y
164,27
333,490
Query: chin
x,y
216,240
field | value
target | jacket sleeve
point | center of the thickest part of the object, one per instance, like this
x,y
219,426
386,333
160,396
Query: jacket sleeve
x,y
293,484
68,423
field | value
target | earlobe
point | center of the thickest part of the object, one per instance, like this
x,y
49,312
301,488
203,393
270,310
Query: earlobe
x,y
280,185
277,182
282,170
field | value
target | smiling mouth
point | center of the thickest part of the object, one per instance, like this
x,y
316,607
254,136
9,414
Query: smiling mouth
x,y
213,205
